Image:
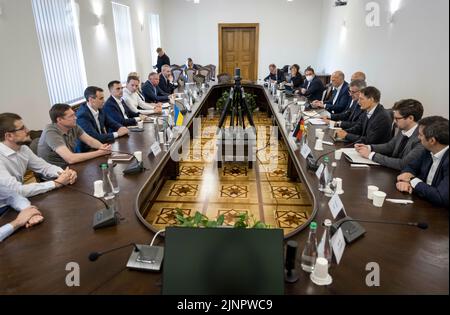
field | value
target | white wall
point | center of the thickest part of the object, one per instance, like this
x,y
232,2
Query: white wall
x,y
191,30
22,83
406,59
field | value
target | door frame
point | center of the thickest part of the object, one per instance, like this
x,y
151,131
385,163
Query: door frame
x,y
255,26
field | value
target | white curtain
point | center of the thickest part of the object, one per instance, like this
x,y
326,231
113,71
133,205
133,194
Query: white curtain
x,y
124,40
155,36
62,55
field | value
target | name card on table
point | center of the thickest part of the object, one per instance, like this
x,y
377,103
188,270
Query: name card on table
x,y
335,204
305,151
156,149
320,170
338,244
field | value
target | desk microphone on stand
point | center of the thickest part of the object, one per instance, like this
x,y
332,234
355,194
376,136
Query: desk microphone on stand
x,y
135,167
102,218
352,230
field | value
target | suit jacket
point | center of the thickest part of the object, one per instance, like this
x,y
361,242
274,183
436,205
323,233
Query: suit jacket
x,y
86,121
375,130
410,152
437,193
112,109
153,94
164,60
165,85
297,81
279,76
349,117
342,101
315,90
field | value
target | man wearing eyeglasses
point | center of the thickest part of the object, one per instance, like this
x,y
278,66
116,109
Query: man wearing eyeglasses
x,y
16,158
403,148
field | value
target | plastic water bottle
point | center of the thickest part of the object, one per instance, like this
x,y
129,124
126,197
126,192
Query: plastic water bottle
x,y
309,254
324,177
107,185
112,177
325,250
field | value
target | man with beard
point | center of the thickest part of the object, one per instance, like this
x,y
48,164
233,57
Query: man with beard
x,y
16,158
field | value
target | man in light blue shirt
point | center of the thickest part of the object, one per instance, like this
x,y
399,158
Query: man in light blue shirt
x,y
28,215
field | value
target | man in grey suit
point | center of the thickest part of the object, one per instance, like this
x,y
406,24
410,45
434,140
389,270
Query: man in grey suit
x,y
405,147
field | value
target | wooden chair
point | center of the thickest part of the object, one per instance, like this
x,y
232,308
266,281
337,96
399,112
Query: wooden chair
x,y
205,72
223,78
199,79
212,69
190,75
177,73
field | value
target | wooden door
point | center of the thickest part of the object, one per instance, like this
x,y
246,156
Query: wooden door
x,y
238,48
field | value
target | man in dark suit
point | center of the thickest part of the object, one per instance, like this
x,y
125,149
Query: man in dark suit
x,y
165,79
92,119
313,87
352,114
375,125
340,96
427,176
275,75
163,59
405,147
117,109
152,92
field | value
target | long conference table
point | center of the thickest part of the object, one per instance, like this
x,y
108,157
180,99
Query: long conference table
x,y
34,261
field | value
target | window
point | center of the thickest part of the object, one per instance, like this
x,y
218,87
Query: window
x,y
62,55
124,40
155,36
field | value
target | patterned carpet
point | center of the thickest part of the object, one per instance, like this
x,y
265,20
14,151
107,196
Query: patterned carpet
x,y
263,192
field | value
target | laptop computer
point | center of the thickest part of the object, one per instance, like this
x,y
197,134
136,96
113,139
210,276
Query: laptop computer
x,y
223,261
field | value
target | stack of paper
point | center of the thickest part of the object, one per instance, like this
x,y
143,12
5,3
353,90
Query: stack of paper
x,y
355,158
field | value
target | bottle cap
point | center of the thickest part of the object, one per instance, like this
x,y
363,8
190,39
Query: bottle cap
x,y
326,159
104,166
313,225
327,222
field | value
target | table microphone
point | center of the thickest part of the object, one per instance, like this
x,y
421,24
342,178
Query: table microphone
x,y
352,230
313,164
95,255
135,167
106,217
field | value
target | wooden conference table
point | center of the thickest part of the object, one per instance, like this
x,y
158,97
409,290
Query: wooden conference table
x,y
33,261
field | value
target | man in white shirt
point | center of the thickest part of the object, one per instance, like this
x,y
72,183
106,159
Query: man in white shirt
x,y
16,158
427,176
135,102
28,215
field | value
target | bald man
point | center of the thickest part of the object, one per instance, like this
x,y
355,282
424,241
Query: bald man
x,y
340,97
358,75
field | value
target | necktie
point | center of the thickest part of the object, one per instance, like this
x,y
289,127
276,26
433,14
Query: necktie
x,y
333,95
124,109
400,148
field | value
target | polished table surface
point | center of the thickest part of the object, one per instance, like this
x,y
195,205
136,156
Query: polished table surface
x,y
411,261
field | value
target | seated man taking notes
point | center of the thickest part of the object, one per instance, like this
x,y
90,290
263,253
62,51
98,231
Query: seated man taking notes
x,y
59,139
28,215
312,87
403,148
275,74
427,176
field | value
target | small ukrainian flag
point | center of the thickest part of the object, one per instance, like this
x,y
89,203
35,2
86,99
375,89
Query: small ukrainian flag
x,y
178,117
